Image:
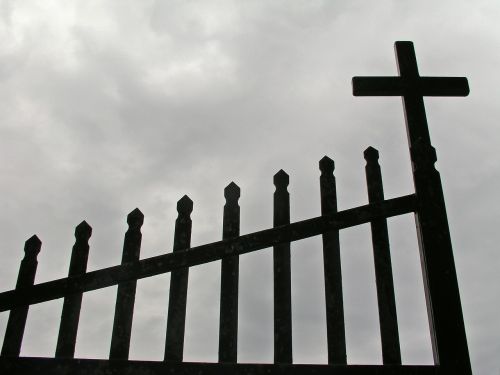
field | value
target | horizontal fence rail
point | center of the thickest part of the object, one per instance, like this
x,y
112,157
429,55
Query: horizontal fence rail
x,y
22,366
206,253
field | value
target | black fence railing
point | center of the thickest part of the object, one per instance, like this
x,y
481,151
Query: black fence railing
x,y
427,203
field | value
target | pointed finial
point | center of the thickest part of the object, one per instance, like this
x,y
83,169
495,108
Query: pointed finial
x,y
281,179
135,218
185,205
32,246
326,165
232,192
371,154
83,231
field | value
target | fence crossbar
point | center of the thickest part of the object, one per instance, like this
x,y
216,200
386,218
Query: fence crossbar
x,y
27,365
160,264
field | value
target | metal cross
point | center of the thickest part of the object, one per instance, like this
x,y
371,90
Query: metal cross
x,y
448,337
412,87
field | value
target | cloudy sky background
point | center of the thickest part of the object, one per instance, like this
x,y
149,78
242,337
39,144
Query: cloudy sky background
x,y
110,105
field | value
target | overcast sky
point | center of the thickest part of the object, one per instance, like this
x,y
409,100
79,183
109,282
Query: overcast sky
x,y
106,106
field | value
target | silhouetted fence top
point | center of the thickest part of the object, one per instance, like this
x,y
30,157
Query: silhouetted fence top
x,y
427,203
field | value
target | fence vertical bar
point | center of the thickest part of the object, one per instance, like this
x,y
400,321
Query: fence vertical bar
x,y
125,296
391,352
282,275
17,318
174,345
335,325
72,304
228,328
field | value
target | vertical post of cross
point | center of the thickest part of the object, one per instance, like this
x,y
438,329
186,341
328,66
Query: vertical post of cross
x,y
438,267
228,330
17,318
335,325
282,275
176,319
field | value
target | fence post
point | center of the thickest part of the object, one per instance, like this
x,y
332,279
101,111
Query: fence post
x,y
70,314
444,309
174,345
228,329
391,352
335,326
125,296
282,275
17,318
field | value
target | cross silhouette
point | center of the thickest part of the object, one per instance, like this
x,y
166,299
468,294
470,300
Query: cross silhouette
x,y
412,87
448,337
